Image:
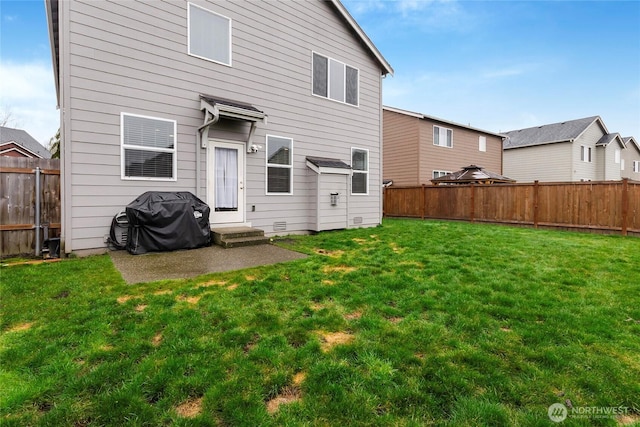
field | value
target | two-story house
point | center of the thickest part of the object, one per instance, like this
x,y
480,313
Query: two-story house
x,y
631,159
575,150
418,148
261,109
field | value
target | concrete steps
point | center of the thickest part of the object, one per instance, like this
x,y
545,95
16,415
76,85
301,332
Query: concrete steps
x,y
235,237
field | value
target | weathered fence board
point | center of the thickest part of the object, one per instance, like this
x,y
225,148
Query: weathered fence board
x,y
608,206
17,202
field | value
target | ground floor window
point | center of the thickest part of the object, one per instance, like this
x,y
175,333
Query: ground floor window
x,y
279,165
148,148
360,166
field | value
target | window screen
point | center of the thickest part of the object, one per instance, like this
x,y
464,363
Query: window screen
x,y
209,35
320,75
148,147
279,164
360,166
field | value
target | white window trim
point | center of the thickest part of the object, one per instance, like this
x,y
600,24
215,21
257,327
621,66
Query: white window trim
x,y
173,150
354,171
268,165
482,143
329,79
230,64
442,173
434,139
636,166
585,153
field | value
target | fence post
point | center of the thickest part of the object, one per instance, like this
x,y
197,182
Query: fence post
x,y
535,204
625,205
473,203
424,202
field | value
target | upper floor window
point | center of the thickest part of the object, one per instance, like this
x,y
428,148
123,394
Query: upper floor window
x,y
335,80
360,166
442,137
585,153
482,143
616,155
209,35
148,148
279,165
636,166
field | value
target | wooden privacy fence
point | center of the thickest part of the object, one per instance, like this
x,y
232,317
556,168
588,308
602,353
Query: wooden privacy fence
x,y
604,207
18,203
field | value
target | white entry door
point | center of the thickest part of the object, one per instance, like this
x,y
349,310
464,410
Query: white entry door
x,y
225,182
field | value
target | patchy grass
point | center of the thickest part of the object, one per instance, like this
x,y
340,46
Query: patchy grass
x,y
410,323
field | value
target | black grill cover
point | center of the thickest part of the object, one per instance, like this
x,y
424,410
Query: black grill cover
x,y
167,221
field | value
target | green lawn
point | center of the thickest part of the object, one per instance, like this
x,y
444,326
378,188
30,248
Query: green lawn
x,y
410,323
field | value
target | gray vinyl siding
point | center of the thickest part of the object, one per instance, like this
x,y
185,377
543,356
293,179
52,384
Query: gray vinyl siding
x,y
630,154
611,169
132,57
333,217
583,170
550,163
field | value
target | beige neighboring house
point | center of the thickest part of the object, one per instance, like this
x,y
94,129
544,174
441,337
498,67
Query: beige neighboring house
x,y
575,150
631,159
417,148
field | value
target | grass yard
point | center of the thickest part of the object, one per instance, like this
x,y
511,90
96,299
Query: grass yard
x,y
411,323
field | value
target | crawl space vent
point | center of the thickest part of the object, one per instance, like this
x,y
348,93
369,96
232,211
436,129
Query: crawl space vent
x,y
279,226
357,220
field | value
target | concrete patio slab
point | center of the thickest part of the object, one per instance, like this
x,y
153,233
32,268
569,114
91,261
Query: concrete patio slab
x,y
190,263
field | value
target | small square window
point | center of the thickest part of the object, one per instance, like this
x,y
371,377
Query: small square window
x,y
148,148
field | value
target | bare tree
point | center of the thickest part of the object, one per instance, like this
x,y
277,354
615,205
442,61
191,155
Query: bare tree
x,y
7,118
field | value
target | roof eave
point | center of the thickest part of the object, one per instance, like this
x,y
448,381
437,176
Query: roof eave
x,y
386,67
49,5
437,119
539,143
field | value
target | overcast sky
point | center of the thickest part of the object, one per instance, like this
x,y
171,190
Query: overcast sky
x,y
497,65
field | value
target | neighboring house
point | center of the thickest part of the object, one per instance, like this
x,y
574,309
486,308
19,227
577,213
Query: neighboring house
x,y
631,159
223,99
418,148
575,150
18,143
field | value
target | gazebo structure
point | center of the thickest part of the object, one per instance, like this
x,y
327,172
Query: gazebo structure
x,y
472,174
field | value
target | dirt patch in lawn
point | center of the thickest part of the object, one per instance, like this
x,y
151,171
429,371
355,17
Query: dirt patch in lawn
x,y
125,298
287,395
332,339
505,329
157,339
140,307
328,282
162,292
21,327
333,254
191,408
338,269
395,248
299,378
353,316
316,306
190,300
250,278
628,419
395,319
232,287
212,283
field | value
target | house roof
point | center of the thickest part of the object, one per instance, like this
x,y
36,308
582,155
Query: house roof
x,y
23,139
631,141
51,7
437,119
549,134
471,174
609,138
325,162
